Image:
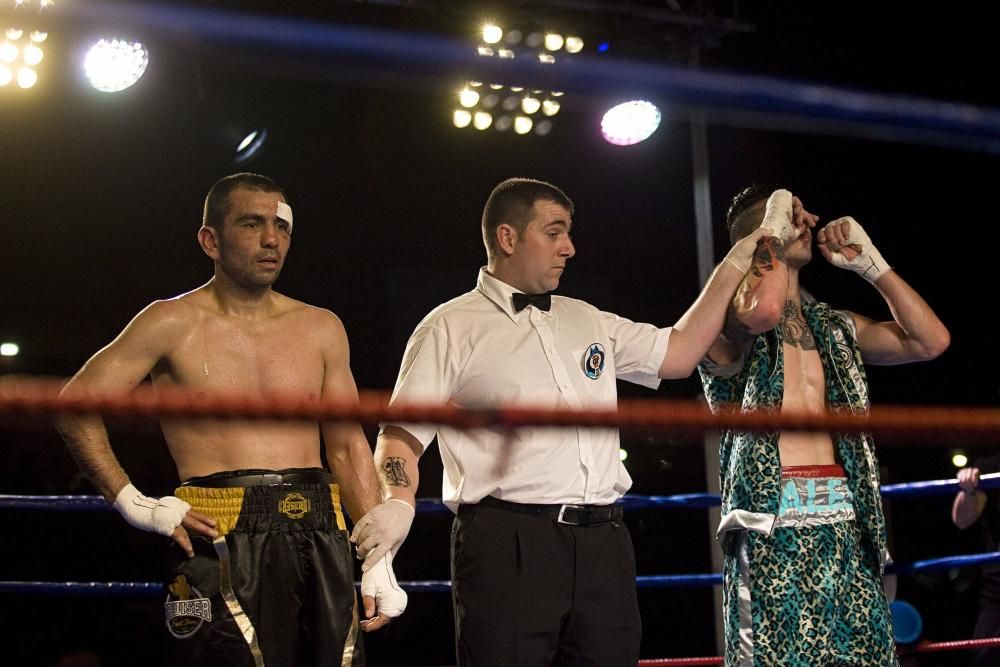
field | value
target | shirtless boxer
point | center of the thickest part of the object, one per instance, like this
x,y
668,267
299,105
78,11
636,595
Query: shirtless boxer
x,y
802,527
263,573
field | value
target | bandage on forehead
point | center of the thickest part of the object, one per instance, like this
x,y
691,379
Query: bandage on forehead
x,y
285,213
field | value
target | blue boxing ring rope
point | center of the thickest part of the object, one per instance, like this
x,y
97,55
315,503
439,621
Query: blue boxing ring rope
x,y
57,503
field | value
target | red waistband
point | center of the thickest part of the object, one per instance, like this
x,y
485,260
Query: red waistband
x,y
813,471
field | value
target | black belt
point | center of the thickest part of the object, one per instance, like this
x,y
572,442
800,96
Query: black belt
x,y
571,515
258,477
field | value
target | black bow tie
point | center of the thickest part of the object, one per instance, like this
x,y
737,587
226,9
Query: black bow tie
x,y
539,301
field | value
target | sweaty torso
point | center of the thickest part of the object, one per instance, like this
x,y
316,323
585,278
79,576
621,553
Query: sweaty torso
x,y
804,392
269,356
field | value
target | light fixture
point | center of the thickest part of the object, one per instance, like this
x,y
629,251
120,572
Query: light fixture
x,y
522,124
630,122
553,41
9,349
530,105
959,459
26,77
468,98
461,118
481,120
116,64
250,144
574,44
492,33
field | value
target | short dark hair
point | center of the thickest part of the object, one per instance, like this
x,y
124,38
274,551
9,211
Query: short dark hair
x,y
512,202
739,221
217,200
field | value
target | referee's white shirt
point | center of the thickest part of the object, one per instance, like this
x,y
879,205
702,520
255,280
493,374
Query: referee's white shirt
x,y
476,351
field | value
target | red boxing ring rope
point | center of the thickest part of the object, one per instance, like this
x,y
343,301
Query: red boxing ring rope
x,y
29,396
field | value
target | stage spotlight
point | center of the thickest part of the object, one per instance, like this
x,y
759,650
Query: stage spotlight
x,y
481,120
468,98
574,45
32,55
9,349
461,118
490,101
522,124
630,122
550,107
959,459
530,105
505,53
553,41
114,65
543,127
546,58
26,77
503,123
511,102
250,144
513,37
492,33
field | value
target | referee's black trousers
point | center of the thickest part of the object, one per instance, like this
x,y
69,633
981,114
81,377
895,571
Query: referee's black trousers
x,y
530,592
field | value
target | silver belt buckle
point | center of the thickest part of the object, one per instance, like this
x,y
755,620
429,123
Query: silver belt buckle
x,y
562,511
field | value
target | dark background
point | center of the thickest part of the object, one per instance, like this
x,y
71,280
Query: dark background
x,y
100,199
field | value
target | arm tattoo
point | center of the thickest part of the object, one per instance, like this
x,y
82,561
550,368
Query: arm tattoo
x,y
769,250
394,471
794,329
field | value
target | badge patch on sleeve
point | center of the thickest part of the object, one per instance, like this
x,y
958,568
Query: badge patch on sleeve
x,y
185,609
593,361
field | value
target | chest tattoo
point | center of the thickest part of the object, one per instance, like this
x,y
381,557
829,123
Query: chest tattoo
x,y
794,329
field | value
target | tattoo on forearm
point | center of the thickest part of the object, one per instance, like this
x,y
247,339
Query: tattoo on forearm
x,y
794,329
394,471
769,250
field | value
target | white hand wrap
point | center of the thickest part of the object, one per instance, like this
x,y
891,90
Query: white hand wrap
x,y
382,530
379,582
778,216
740,256
158,515
869,263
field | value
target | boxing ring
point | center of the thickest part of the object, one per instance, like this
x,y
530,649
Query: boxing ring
x,y
723,98
30,400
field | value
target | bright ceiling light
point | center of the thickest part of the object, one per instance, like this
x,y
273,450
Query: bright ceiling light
x,y
630,122
530,105
461,118
250,144
481,120
468,98
550,107
492,33
553,41
8,52
9,349
522,124
27,77
114,65
32,55
574,45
